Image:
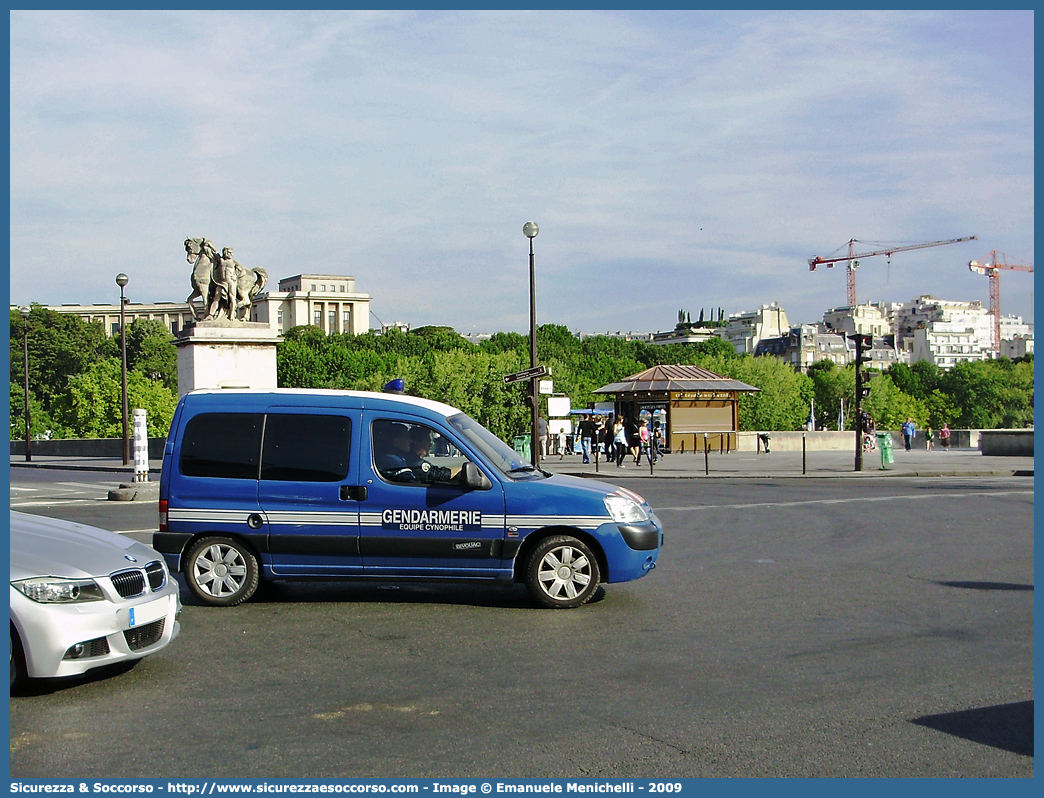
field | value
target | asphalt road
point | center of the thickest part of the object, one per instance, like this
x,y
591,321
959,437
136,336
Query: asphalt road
x,y
794,628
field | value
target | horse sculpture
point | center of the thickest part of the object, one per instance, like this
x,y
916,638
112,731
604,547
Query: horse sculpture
x,y
225,285
201,254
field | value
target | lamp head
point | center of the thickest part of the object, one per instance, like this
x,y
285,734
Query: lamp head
x,y
530,229
24,312
122,279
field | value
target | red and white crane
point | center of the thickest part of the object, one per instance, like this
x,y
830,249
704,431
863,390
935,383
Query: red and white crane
x,y
853,262
991,266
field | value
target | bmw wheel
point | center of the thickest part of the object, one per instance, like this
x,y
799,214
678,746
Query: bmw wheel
x,y
221,571
562,573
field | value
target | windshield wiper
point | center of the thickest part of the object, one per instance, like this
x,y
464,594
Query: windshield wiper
x,y
526,467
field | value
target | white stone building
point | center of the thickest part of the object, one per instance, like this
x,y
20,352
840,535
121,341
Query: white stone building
x,y
946,333
173,315
873,318
745,330
327,301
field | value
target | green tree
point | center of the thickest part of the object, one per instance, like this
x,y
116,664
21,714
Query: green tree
x,y
907,380
41,424
889,407
151,351
928,376
60,345
990,394
941,409
92,407
833,388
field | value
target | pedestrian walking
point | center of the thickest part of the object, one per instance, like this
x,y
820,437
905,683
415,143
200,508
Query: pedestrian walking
x,y
620,441
608,441
944,436
634,442
929,438
643,437
909,430
542,436
587,436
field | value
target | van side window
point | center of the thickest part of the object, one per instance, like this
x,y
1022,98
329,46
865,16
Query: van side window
x,y
414,453
222,445
306,448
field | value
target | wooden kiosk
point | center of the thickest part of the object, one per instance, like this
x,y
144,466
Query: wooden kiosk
x,y
699,405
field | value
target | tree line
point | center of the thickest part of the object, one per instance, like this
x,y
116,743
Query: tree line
x,y
75,377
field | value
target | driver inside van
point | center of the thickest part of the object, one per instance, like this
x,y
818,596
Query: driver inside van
x,y
393,447
420,446
400,454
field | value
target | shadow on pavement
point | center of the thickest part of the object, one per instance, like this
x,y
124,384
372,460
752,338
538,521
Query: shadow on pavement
x,y
986,585
333,590
1006,726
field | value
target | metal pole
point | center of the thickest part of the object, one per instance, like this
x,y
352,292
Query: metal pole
x,y
534,383
706,456
859,402
123,357
803,453
28,436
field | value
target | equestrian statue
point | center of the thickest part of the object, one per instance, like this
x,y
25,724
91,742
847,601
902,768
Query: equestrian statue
x,y
226,287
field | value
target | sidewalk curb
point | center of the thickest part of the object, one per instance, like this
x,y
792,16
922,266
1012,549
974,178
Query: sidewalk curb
x,y
866,474
77,467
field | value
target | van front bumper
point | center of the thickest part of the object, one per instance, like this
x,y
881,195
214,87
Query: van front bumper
x,y
631,549
641,537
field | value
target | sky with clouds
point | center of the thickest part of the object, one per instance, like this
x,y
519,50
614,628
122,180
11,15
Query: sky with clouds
x,y
673,160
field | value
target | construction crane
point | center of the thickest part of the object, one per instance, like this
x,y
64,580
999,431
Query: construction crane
x,y
853,263
991,267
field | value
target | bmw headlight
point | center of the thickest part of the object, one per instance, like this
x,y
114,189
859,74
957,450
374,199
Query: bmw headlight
x,y
625,510
52,590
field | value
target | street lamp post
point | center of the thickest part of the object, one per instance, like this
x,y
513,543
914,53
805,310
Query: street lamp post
x,y
25,344
530,229
121,281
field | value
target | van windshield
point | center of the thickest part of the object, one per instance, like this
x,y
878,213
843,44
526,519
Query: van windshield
x,y
496,452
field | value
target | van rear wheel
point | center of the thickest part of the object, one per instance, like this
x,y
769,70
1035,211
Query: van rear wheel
x,y
221,571
562,573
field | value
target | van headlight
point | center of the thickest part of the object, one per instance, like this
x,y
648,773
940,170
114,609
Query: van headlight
x,y
52,590
624,510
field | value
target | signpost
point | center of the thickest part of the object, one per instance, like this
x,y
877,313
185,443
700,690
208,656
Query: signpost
x,y
527,374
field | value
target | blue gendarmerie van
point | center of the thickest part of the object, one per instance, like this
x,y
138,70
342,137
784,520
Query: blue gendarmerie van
x,y
300,484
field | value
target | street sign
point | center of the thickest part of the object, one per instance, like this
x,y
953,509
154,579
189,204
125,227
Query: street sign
x,y
527,374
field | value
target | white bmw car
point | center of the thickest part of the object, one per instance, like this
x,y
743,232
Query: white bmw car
x,y
82,597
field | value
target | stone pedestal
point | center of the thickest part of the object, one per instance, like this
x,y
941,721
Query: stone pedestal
x,y
223,354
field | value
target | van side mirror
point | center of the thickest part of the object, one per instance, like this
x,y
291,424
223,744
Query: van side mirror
x,y
472,478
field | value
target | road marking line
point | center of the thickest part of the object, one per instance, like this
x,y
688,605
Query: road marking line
x,y
66,502
965,495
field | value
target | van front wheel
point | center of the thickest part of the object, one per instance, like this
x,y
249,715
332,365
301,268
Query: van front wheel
x,y
221,571
562,573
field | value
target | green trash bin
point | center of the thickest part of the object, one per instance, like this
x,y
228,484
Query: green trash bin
x,y
522,447
884,443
